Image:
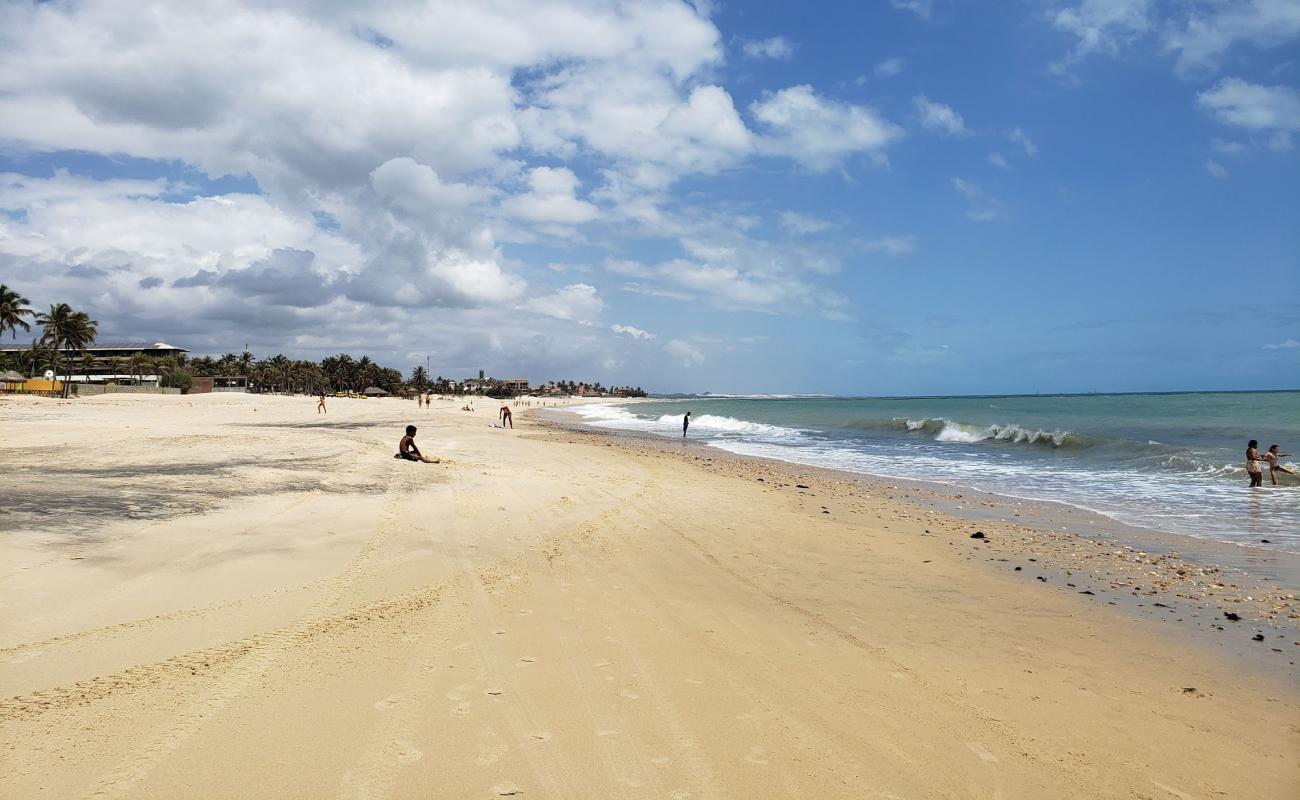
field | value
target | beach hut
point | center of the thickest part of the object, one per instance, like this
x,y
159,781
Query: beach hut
x,y
375,391
11,381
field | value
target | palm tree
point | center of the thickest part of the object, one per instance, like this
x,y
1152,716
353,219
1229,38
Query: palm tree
x,y
66,329
139,363
420,378
13,309
246,360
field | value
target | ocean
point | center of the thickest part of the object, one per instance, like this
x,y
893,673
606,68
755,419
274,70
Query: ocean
x,y
1171,462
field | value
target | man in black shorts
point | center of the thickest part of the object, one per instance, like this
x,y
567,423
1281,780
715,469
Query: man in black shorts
x,y
407,449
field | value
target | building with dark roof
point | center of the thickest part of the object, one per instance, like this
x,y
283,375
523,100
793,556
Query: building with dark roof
x,y
97,363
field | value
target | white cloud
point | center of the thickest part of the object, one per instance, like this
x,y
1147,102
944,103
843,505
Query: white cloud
x,y
1216,169
982,206
997,160
1287,344
635,333
889,245
1210,31
938,117
1227,148
777,47
688,354
921,8
817,132
1018,136
578,302
551,198
889,67
1273,110
1102,26
802,224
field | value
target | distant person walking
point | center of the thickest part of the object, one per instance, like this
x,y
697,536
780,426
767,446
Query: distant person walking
x,y
506,419
419,400
1254,464
320,403
1274,465
686,423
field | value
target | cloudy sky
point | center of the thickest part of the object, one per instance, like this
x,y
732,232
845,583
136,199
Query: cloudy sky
x,y
888,197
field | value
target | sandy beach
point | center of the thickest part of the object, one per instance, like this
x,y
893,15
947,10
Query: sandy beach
x,y
229,595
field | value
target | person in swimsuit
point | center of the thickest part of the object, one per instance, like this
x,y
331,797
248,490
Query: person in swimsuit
x,y
506,419
1274,465
1254,464
407,449
686,423
320,403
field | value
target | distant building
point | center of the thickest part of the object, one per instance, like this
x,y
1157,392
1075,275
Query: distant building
x,y
109,361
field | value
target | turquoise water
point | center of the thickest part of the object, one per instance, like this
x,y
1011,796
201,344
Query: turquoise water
x,y
1173,462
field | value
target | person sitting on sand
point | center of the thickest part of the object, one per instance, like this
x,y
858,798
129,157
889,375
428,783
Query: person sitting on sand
x,y
320,403
1254,464
1274,465
506,419
407,449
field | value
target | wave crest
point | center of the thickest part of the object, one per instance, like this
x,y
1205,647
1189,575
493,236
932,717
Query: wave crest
x,y
946,430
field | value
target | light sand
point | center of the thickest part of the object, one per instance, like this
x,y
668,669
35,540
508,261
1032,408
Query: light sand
x,y
230,596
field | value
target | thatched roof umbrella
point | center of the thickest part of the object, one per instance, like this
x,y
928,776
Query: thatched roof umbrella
x,y
375,391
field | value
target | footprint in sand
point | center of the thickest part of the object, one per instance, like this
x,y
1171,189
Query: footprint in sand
x,y
629,694
506,790
490,753
528,660
755,756
494,692
523,612
387,703
404,752
540,736
979,750
461,710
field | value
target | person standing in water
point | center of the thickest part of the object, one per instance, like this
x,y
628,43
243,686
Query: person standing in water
x,y
686,423
1274,465
1254,464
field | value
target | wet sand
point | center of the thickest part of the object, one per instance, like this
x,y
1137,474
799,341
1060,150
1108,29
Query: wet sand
x,y
229,596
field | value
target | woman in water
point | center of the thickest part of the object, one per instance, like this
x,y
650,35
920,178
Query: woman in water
x,y
1274,465
1254,464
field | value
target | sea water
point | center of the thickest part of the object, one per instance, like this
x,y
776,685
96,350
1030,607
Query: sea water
x,y
1172,462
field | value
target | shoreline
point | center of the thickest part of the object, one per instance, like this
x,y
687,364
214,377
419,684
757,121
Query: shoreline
x,y
233,595
1189,581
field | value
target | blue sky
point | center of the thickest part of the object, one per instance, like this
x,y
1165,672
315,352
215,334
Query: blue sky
x,y
901,197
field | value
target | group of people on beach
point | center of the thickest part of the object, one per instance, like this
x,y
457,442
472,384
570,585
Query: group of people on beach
x,y
1255,463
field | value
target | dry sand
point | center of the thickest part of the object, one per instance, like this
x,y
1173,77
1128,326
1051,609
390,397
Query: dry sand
x,y
230,596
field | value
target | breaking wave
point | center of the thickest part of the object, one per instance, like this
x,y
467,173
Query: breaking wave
x,y
946,430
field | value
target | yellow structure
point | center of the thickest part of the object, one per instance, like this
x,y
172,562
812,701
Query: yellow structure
x,y
42,385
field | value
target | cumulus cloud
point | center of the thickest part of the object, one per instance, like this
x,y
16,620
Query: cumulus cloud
x,y
1102,26
578,301
1210,31
818,132
889,245
551,198
686,353
777,47
1216,169
998,160
1273,110
1286,344
938,117
634,333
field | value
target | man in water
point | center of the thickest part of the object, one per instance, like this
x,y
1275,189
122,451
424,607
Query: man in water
x,y
1274,465
407,449
506,418
686,423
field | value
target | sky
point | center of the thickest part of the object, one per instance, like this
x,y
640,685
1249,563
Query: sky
x,y
896,197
